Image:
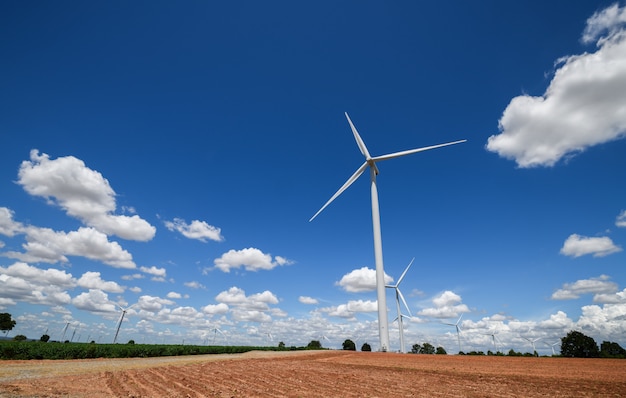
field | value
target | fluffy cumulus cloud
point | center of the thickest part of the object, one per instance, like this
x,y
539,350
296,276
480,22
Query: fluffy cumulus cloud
x,y
23,282
243,308
599,286
92,280
583,106
83,193
361,280
250,259
9,227
445,305
199,230
215,309
158,274
152,303
307,300
46,245
94,300
576,246
620,221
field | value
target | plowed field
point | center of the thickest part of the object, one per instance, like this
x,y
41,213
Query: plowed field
x,y
316,374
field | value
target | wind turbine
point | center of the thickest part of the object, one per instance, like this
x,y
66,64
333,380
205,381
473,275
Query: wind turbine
x,y
64,330
532,342
458,330
215,330
552,346
119,323
495,338
383,326
399,297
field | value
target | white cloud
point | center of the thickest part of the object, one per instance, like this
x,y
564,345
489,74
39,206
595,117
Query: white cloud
x,y
83,193
22,282
46,245
199,230
446,305
611,298
131,277
600,285
152,303
307,300
361,280
620,221
92,280
215,309
161,272
194,285
94,300
251,259
237,297
576,246
583,106
363,306
609,20
173,295
8,227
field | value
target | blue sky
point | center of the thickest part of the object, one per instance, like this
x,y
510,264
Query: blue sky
x,y
169,156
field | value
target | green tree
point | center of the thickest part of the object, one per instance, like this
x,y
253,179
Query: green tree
x,y
6,323
44,338
577,345
281,345
366,347
314,345
428,348
441,351
612,350
416,348
20,337
131,342
349,345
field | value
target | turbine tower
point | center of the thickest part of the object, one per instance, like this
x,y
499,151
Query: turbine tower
x,y
399,297
458,330
119,323
383,324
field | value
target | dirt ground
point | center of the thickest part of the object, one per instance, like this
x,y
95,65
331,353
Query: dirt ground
x,y
316,374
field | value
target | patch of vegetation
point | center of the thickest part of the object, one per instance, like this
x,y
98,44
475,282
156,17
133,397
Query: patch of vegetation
x,y
55,350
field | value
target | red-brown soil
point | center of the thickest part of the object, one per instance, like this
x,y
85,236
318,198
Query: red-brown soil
x,y
316,374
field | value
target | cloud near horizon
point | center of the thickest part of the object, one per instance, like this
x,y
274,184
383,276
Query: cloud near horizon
x,y
583,106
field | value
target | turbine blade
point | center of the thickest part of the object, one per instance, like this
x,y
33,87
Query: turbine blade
x,y
354,177
411,151
405,270
404,301
358,139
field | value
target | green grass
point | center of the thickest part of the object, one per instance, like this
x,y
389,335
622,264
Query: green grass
x,y
54,350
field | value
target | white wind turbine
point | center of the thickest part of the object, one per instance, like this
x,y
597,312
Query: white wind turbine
x,y
383,326
552,346
458,330
532,342
119,323
216,330
399,297
495,339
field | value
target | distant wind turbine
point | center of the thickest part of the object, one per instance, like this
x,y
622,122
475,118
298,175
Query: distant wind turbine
x,y
216,330
495,339
552,346
532,342
119,323
399,297
64,330
383,324
458,330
